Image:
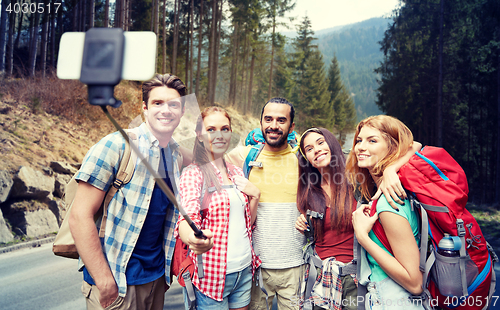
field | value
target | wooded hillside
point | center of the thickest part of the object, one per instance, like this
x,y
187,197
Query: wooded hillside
x,y
226,51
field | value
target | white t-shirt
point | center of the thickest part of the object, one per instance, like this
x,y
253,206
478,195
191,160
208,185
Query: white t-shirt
x,y
239,254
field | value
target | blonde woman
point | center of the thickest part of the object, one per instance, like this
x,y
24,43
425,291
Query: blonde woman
x,y
379,142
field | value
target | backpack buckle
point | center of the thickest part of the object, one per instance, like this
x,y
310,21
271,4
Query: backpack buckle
x,y
315,214
117,183
254,163
460,228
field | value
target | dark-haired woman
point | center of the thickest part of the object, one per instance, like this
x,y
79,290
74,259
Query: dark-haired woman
x,y
228,257
323,188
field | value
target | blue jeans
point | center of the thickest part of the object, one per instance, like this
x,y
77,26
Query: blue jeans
x,y
387,294
236,293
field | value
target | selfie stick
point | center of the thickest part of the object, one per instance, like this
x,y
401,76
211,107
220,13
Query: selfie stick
x,y
159,180
102,65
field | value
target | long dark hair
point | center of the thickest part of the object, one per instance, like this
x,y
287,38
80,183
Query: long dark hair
x,y
200,154
310,195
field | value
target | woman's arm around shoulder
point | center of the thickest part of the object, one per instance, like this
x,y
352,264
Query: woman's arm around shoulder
x,y
391,185
403,267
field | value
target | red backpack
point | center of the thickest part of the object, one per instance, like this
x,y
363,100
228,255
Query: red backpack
x,y
438,189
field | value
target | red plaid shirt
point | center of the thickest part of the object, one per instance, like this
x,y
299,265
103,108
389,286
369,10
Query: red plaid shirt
x,y
217,220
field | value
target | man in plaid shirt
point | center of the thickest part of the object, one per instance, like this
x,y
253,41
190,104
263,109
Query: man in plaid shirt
x,y
130,267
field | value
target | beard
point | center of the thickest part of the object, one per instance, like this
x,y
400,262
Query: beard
x,y
276,143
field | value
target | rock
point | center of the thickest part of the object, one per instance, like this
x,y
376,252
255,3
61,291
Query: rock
x,y
6,183
5,233
48,171
30,183
62,167
35,223
60,184
58,207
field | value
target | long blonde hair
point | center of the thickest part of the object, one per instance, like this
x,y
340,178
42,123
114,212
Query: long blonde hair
x,y
200,154
399,139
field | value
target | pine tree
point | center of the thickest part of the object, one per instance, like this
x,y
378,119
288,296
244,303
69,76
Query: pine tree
x,y
343,103
310,94
317,109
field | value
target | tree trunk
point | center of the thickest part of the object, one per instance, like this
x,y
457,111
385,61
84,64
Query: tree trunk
x,y
84,6
164,41
74,21
52,40
186,63
129,15
191,29
3,36
31,19
153,5
200,43
10,43
216,45
272,59
497,187
234,62
211,55
123,14
19,27
106,14
91,13
250,84
244,72
60,29
43,46
118,15
176,37
439,114
33,46
157,17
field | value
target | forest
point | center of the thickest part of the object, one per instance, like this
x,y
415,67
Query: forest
x,y
440,75
439,72
228,52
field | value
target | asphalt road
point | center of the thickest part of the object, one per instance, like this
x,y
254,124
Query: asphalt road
x,y
34,278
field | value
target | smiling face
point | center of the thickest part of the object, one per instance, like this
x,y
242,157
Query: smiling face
x,y
163,113
216,134
370,148
276,126
317,150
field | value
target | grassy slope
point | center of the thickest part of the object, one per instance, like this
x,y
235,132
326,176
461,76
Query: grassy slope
x,y
45,120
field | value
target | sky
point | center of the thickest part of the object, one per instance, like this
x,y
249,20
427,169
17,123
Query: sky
x,y
330,13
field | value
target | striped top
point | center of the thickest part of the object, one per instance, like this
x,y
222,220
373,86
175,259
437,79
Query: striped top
x,y
275,239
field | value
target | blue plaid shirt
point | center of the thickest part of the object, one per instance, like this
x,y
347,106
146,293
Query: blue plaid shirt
x,y
128,208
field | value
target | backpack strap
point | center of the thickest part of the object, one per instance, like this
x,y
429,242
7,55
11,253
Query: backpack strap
x,y
250,160
377,228
123,176
311,257
356,253
204,201
191,296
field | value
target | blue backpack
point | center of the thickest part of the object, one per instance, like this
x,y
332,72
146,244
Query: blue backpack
x,y
257,141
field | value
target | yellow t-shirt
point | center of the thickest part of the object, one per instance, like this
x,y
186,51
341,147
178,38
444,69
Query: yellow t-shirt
x,y
275,238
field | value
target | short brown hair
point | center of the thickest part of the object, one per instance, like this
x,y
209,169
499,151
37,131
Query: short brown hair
x,y
168,80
